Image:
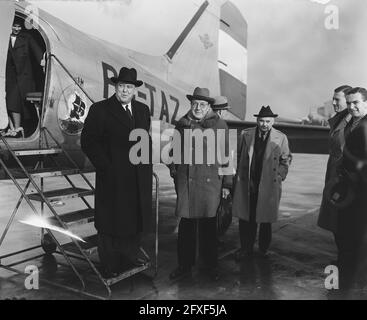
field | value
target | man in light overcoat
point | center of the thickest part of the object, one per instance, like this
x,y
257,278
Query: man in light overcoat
x,y
263,161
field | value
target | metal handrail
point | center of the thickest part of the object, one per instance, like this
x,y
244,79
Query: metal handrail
x,y
69,158
71,76
33,207
156,221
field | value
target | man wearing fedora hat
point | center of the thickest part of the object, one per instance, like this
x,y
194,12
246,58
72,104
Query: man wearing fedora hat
x,y
123,190
263,160
328,215
220,104
351,199
199,187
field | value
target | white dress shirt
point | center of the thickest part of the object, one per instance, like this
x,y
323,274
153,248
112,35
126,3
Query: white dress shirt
x,y
12,39
125,106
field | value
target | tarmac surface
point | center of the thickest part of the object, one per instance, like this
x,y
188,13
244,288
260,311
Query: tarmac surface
x,y
295,269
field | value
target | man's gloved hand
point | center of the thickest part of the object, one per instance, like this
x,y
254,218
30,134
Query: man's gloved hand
x,y
225,193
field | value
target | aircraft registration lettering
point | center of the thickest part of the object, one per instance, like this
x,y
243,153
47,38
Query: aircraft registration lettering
x,y
164,109
107,70
152,90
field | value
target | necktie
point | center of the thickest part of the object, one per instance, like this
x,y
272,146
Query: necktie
x,y
128,112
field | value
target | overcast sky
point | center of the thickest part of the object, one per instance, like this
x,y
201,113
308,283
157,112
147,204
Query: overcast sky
x,y
294,61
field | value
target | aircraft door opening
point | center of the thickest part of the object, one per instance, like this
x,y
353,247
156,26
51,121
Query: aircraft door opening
x,y
24,78
6,20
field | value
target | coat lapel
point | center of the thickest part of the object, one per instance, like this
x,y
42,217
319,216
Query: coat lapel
x,y
250,141
19,41
274,140
116,109
338,121
136,114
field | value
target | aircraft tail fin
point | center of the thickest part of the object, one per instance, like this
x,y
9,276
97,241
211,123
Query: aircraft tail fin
x,y
232,58
211,51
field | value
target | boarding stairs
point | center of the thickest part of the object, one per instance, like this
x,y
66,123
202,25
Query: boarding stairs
x,y
47,165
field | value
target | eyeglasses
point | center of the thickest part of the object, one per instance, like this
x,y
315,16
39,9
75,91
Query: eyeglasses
x,y
201,105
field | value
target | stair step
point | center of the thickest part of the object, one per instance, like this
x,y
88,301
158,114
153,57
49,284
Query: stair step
x,y
62,194
128,273
44,172
35,152
89,246
79,217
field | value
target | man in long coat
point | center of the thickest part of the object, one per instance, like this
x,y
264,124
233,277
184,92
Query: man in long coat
x,y
123,199
328,214
19,74
263,160
200,183
352,220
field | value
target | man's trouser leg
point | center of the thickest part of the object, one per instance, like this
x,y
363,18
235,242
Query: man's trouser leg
x,y
186,243
248,232
264,237
108,252
248,229
347,253
208,241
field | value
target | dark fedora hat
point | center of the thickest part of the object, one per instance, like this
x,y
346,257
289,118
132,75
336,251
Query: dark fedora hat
x,y
127,75
265,112
220,103
200,94
19,21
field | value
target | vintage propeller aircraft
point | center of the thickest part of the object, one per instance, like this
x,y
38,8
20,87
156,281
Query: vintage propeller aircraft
x,y
210,52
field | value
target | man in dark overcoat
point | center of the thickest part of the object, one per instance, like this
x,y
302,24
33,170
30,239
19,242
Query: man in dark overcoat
x,y
123,199
352,220
328,214
19,74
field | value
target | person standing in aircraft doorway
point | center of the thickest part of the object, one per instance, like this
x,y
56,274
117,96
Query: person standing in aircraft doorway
x,y
199,184
263,161
19,78
123,198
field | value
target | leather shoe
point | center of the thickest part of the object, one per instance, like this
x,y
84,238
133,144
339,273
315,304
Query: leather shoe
x,y
180,272
213,274
108,274
241,254
263,254
139,262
